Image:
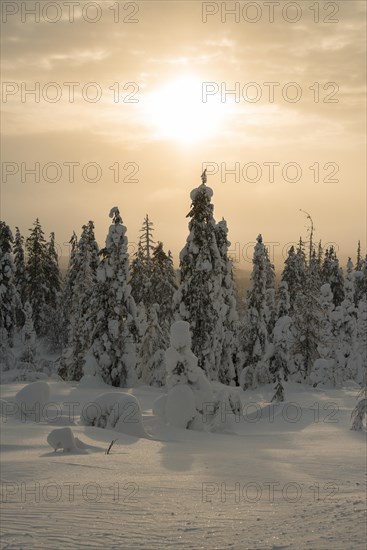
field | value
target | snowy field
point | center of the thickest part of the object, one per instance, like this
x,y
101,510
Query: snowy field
x,y
289,475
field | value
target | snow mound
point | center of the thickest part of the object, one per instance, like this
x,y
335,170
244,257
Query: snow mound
x,y
56,377
63,438
32,400
115,411
22,373
89,381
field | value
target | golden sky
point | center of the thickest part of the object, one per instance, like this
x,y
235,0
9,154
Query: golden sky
x,y
158,109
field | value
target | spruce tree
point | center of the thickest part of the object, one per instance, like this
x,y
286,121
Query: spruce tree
x,y
68,290
37,284
28,336
8,293
198,299
19,275
307,312
152,366
112,354
228,360
140,278
359,258
361,341
270,299
52,273
294,273
349,287
80,282
53,297
328,335
146,237
336,281
142,267
255,333
280,359
360,278
163,287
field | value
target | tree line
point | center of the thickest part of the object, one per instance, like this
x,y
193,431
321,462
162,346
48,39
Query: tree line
x,y
110,316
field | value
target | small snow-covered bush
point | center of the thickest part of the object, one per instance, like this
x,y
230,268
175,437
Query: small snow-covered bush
x,y
32,400
63,438
190,393
115,411
227,409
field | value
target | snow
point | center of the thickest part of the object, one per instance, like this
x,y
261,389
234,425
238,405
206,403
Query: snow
x,y
178,489
180,335
180,406
208,191
32,400
115,410
63,438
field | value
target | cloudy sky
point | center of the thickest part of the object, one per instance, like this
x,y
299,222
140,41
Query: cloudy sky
x,y
142,96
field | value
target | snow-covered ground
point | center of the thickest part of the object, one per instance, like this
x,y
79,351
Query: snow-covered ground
x,y
291,475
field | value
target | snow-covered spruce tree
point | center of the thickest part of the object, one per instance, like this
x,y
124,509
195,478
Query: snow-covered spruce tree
x,y
28,336
315,268
306,334
362,336
164,286
228,319
254,334
19,275
151,361
332,274
306,315
140,281
189,390
28,332
37,284
8,293
283,303
349,286
337,282
359,258
53,298
68,290
52,273
294,273
326,269
190,401
360,279
146,237
323,369
344,323
142,266
270,298
198,299
112,355
280,359
80,282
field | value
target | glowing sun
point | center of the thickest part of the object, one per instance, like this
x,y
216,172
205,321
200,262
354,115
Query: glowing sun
x,y
178,112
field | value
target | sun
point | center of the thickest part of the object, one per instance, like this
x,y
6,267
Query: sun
x,y
177,112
